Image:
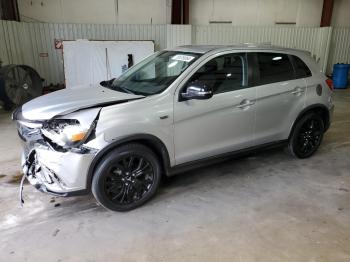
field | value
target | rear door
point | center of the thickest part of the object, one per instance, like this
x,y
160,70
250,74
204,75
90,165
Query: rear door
x,y
280,96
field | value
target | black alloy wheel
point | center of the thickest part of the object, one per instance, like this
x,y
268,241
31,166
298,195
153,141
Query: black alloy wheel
x,y
126,177
129,179
307,136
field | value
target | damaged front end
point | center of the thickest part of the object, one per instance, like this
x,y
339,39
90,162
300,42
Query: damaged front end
x,y
58,152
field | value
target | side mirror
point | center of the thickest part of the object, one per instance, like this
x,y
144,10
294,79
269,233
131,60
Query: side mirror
x,y
197,90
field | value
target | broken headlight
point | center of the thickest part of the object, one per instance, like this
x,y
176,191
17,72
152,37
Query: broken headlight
x,y
66,132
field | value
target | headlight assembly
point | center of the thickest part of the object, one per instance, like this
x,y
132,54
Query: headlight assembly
x,y
66,132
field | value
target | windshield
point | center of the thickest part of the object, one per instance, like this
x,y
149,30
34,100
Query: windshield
x,y
154,74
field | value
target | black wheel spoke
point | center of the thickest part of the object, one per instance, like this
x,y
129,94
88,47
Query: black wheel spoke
x,y
120,193
145,166
302,147
131,161
309,136
140,164
124,194
316,133
129,180
113,189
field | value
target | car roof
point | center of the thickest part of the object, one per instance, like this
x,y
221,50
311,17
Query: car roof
x,y
247,46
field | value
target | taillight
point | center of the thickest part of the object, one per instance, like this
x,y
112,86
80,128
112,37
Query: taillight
x,y
329,83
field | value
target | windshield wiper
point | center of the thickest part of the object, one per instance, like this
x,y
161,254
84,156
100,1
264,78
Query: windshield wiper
x,y
141,93
123,89
109,84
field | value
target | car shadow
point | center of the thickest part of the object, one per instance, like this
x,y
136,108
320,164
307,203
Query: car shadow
x,y
225,171
197,180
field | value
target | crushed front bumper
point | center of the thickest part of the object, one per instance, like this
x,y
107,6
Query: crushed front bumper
x,y
57,173
40,176
51,168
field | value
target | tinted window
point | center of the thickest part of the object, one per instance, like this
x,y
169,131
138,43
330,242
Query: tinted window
x,y
301,70
224,73
274,67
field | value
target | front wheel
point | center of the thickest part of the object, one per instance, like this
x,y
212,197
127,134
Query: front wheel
x,y
306,136
126,177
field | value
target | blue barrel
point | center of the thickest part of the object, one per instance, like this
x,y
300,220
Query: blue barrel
x,y
340,75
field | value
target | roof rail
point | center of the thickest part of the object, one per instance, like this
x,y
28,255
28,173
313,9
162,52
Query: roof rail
x,y
257,44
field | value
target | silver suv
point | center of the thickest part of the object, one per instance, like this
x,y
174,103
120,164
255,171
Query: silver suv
x,y
175,110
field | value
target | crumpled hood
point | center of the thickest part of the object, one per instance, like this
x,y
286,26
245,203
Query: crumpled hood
x,y
69,100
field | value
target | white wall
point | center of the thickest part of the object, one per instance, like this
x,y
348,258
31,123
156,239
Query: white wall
x,y
240,12
341,13
257,12
96,11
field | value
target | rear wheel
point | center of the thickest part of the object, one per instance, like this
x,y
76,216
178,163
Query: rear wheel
x,y
126,177
306,136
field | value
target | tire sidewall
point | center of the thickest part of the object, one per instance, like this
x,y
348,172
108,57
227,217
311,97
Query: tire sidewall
x,y
294,138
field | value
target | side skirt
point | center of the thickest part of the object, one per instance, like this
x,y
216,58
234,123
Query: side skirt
x,y
220,158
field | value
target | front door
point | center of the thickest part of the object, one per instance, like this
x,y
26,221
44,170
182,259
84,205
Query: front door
x,y
222,123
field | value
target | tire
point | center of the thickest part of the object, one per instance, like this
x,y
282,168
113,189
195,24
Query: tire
x,y
306,136
126,177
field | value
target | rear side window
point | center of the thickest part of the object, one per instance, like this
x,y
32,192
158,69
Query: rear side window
x,y
274,67
301,69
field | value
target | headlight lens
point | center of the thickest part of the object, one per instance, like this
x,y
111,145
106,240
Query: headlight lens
x,y
65,132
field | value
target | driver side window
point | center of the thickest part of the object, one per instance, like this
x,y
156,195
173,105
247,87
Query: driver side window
x,y
224,73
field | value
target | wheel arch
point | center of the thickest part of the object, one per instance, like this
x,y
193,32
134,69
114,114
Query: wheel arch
x,y
152,142
320,109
